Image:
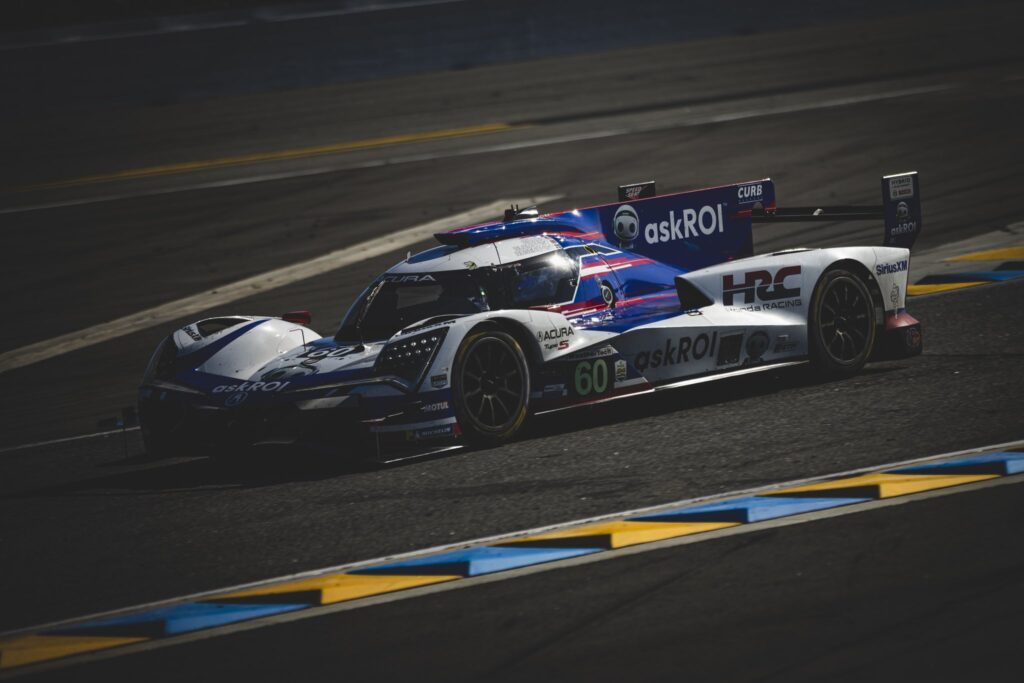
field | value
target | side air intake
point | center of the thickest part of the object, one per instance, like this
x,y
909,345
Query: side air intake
x,y
690,298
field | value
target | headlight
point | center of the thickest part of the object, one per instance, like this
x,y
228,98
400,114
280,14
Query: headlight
x,y
409,358
161,364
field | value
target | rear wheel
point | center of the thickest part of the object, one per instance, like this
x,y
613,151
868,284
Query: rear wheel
x,y
490,386
841,324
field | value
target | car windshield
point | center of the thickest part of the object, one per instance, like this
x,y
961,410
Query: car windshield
x,y
398,301
541,281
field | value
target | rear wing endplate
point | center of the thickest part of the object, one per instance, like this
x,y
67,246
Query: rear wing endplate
x,y
900,211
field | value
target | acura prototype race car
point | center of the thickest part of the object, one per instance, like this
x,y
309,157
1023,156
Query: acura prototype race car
x,y
535,313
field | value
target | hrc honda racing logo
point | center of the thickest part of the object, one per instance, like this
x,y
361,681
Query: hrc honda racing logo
x,y
773,290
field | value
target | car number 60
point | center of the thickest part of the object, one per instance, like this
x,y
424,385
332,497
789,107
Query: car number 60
x,y
591,377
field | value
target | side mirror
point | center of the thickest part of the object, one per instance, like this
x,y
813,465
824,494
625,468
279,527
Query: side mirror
x,y
303,318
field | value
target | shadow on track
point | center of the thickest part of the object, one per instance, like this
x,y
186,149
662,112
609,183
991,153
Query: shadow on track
x,y
273,465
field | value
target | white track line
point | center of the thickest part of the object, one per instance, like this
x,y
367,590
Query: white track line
x,y
495,577
684,121
197,303
66,439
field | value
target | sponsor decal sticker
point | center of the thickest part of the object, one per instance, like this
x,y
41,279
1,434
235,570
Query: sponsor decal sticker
x,y
684,350
191,331
749,194
904,226
434,407
602,352
408,278
887,268
913,337
762,285
757,344
235,399
901,187
620,371
554,389
784,343
627,223
555,334
690,224
250,387
431,433
438,381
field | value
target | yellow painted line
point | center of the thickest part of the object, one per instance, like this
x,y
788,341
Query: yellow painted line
x,y
279,155
890,485
918,290
1005,253
35,648
624,533
342,587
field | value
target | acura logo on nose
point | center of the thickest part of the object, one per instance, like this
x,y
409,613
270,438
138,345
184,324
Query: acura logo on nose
x,y
235,399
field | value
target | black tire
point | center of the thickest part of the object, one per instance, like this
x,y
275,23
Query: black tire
x,y
490,387
841,324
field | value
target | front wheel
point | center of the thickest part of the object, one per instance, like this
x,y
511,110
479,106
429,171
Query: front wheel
x,y
841,324
490,386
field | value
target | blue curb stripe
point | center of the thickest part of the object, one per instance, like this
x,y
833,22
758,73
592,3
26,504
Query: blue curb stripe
x,y
993,463
747,510
220,610
476,561
169,621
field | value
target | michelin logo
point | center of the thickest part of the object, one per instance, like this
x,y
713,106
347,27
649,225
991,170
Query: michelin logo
x,y
691,224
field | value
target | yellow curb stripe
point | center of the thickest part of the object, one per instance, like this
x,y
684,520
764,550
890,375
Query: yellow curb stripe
x,y
890,485
1005,253
36,648
625,533
279,155
918,290
341,587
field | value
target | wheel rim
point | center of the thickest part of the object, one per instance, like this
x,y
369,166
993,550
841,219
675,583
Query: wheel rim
x,y
844,320
492,384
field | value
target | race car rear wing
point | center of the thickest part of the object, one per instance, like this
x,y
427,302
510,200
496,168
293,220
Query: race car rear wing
x,y
900,210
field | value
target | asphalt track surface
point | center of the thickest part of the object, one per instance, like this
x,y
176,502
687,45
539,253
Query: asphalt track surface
x,y
85,528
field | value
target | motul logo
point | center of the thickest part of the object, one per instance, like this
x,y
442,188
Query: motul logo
x,y
761,285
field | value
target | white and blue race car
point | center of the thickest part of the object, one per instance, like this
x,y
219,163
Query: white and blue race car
x,y
536,313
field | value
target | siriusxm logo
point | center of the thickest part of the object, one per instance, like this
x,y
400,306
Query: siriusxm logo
x,y
690,223
887,268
